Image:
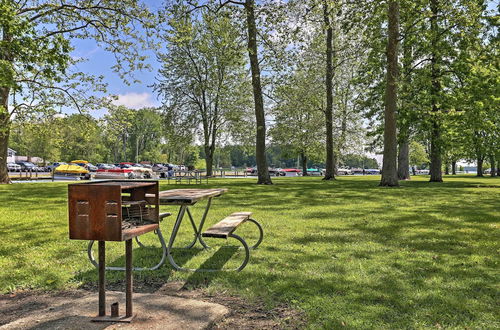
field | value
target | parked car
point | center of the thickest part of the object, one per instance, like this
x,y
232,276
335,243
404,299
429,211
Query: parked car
x,y
314,172
292,172
28,166
139,171
85,164
54,165
344,171
103,166
13,167
159,168
251,170
274,171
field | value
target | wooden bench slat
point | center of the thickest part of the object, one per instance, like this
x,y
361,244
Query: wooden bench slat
x,y
226,226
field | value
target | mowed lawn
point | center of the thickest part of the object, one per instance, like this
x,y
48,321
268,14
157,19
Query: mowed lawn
x,y
347,253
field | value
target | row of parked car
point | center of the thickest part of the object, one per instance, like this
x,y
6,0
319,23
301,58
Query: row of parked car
x,y
25,167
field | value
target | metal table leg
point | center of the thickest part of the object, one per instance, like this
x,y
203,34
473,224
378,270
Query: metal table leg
x,y
198,230
162,260
175,230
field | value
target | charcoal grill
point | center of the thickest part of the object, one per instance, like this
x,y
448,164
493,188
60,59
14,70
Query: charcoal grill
x,y
113,211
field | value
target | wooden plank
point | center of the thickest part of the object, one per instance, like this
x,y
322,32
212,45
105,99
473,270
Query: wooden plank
x,y
188,196
228,225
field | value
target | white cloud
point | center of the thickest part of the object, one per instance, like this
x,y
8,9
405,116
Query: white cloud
x,y
135,100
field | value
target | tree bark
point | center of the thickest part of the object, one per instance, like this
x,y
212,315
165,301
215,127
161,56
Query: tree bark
x,y
4,134
493,172
453,167
498,166
404,159
209,160
480,166
330,167
303,157
435,154
447,168
389,166
260,140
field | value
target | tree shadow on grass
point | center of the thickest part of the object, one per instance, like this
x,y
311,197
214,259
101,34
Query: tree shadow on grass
x,y
142,257
216,262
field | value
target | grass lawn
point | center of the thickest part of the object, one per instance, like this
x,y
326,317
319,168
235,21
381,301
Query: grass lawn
x,y
347,253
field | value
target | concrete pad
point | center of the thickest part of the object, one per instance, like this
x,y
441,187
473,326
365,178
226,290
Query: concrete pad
x,y
152,311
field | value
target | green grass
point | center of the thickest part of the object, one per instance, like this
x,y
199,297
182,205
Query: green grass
x,y
347,253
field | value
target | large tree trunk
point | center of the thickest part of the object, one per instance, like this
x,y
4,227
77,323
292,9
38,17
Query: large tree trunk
x,y
404,159
303,158
435,156
453,167
479,166
389,166
498,166
209,160
330,167
260,141
493,172
4,134
447,168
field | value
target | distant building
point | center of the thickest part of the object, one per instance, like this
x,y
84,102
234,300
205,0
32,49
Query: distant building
x,y
11,155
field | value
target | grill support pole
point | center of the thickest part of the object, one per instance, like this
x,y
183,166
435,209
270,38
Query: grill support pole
x,y
128,275
102,278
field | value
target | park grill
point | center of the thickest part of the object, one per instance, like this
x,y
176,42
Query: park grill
x,y
113,211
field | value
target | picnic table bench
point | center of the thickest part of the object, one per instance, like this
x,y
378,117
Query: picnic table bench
x,y
223,229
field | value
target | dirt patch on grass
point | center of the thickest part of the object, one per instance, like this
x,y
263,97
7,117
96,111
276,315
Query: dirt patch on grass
x,y
243,314
19,304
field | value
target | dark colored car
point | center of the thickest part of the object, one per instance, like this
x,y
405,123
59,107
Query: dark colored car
x,y
27,166
105,166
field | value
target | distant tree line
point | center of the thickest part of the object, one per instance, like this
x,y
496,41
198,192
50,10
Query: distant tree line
x,y
318,80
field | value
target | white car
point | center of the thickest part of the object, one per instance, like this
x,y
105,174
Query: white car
x,y
13,167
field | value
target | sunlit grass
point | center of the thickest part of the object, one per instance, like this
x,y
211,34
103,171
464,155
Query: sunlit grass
x,y
347,252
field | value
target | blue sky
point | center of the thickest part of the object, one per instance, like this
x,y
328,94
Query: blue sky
x,y
99,62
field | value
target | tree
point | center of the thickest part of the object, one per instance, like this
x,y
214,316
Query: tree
x,y
330,162
298,123
203,73
145,134
117,127
35,61
260,118
389,168
252,49
38,136
418,155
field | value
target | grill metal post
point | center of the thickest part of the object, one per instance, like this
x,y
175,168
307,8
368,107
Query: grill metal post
x,y
128,275
102,278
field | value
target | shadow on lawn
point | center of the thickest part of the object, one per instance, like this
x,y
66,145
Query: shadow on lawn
x,y
412,255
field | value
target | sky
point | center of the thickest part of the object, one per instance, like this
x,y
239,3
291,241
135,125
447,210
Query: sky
x,y
99,62
135,96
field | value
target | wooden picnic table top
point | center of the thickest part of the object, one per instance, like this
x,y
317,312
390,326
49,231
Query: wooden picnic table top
x,y
188,196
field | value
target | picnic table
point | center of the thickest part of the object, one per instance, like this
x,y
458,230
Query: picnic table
x,y
186,198
188,175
